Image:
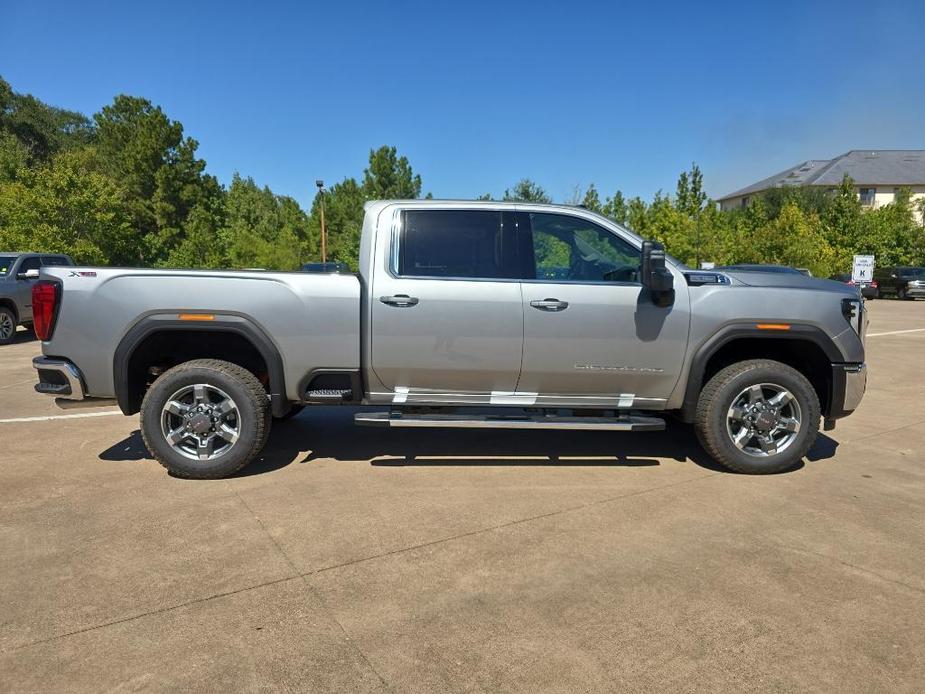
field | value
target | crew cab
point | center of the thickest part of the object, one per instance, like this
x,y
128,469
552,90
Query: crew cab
x,y
18,272
466,315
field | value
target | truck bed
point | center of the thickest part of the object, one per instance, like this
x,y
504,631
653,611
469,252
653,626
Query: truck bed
x,y
313,320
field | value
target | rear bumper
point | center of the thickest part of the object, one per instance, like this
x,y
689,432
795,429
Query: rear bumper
x,y
849,381
60,378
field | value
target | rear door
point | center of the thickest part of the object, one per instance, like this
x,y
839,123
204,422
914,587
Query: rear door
x,y
592,335
447,311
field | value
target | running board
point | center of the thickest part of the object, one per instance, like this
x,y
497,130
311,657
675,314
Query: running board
x,y
397,419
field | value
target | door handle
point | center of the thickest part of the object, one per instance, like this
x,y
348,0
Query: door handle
x,y
549,304
400,300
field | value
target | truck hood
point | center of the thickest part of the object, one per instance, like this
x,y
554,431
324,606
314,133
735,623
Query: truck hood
x,y
790,281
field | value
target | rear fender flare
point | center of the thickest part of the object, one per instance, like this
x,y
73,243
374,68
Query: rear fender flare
x,y
149,325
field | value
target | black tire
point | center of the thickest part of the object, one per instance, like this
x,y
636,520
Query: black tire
x,y
717,398
253,421
901,294
7,323
293,412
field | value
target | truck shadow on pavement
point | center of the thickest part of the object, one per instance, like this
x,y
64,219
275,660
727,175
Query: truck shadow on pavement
x,y
329,433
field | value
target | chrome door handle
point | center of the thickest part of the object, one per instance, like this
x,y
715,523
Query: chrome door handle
x,y
549,304
400,300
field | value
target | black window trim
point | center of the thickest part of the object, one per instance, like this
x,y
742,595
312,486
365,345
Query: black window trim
x,y
524,233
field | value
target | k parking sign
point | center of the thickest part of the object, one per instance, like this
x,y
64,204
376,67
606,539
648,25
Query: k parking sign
x,y
863,268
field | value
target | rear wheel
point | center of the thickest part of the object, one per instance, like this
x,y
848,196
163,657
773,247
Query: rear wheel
x,y
7,326
901,294
205,419
758,416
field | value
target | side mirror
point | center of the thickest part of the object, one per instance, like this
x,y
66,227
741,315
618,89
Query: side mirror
x,y
28,275
655,276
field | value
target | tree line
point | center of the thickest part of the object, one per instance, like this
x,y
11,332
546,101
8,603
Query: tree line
x,y
126,187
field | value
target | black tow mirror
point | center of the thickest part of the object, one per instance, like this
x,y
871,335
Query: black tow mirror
x,y
656,277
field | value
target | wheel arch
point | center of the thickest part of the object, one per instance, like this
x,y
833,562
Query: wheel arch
x,y
222,336
806,348
11,305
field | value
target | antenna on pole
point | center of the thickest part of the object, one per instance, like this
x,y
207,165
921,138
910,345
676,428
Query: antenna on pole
x,y
324,233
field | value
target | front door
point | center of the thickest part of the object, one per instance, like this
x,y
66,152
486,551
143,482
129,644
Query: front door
x,y
447,313
592,335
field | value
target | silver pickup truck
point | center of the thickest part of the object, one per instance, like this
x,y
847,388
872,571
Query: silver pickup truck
x,y
463,314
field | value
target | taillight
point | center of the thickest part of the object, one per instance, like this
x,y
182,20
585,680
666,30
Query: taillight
x,y
873,284
851,282
44,308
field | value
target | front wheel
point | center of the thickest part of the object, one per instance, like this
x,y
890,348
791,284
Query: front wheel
x,y
901,294
205,419
758,417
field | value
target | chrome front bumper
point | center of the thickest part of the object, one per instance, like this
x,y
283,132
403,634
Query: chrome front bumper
x,y
60,378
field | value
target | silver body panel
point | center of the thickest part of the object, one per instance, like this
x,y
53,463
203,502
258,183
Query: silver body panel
x,y
313,320
464,341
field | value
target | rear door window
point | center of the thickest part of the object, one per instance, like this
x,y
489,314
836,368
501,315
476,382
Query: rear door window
x,y
462,244
30,264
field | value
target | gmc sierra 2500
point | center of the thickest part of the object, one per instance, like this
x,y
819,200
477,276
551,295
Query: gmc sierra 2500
x,y
460,312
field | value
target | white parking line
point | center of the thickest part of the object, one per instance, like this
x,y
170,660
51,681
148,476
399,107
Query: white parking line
x,y
82,415
896,332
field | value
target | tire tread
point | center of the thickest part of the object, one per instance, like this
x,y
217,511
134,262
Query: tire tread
x,y
255,391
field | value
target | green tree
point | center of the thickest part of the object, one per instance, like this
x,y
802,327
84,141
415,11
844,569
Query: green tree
x,y
390,177
592,200
526,191
616,208
163,180
43,130
64,208
343,216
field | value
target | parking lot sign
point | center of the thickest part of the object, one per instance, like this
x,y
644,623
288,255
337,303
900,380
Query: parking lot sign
x,y
863,268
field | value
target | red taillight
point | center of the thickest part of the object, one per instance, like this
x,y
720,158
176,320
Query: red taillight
x,y
873,284
851,282
44,307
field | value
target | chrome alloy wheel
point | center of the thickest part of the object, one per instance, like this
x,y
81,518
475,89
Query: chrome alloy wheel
x,y
763,420
6,326
201,422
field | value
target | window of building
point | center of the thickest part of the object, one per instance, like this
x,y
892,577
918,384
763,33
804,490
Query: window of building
x,y
745,201
867,195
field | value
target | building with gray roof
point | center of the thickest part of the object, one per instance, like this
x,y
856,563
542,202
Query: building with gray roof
x,y
877,176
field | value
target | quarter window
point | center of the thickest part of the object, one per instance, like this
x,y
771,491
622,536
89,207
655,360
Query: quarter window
x,y
457,243
575,249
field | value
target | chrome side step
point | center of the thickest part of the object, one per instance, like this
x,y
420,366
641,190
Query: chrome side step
x,y
402,420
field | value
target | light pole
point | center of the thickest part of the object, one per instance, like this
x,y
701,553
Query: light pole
x,y
324,233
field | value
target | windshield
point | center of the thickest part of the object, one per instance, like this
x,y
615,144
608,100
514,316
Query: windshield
x,y
6,262
762,268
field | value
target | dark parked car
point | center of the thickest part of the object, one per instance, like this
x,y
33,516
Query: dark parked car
x,y
902,281
783,269
868,289
18,272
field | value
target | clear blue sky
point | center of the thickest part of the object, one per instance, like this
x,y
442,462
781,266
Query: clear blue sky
x,y
478,95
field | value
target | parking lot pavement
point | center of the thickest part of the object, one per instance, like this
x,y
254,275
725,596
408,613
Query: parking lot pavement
x,y
354,559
